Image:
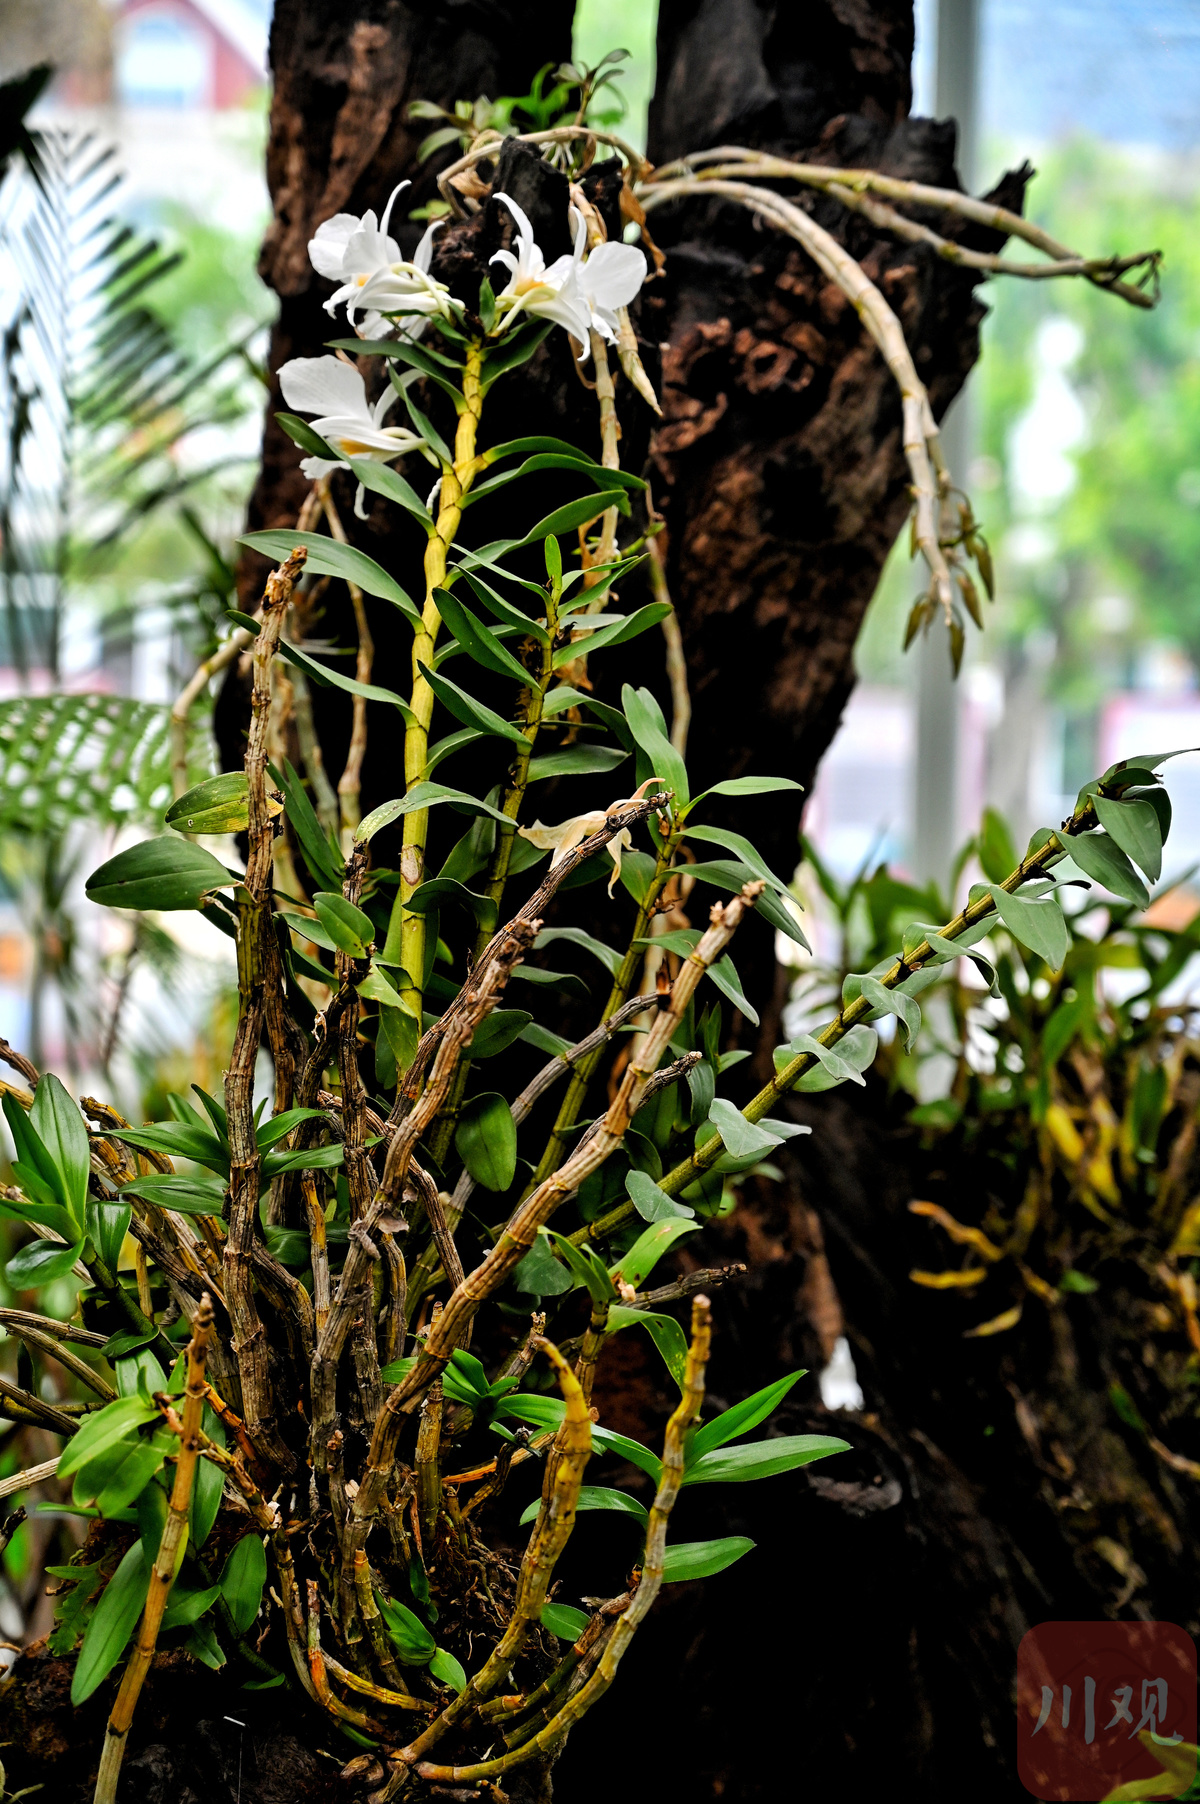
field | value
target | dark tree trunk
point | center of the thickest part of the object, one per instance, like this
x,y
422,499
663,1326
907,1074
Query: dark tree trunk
x,y
882,1649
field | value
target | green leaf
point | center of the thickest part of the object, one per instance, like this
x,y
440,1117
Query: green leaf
x,y
107,1226
189,1195
205,1500
576,761
56,1121
113,1479
179,1140
651,1203
1100,858
424,795
327,557
221,805
383,480
563,1621
584,1267
164,873
742,1417
478,640
446,889
243,1580
645,723
517,349
186,1607
313,1158
610,959
748,1139
446,1669
832,1062
566,519
751,786
539,1273
893,1002
857,1049
557,460
421,421
1038,925
527,447
202,1645
547,1412
1134,826
329,678
486,1140
997,854
762,1459
472,713
39,1263
701,1559
322,859
745,850
304,435
113,1622
595,1497
103,1429
635,1266
348,927
497,1031
408,1634
618,633
403,1033
663,1330
725,874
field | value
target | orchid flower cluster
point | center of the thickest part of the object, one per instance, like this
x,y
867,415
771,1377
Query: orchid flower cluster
x,y
331,1316
306,1286
381,289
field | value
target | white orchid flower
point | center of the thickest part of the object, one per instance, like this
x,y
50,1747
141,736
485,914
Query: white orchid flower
x,y
571,833
337,394
610,278
548,292
375,277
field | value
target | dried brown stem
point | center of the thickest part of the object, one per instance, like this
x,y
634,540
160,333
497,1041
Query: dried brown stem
x,y
648,1586
162,1573
521,1230
261,994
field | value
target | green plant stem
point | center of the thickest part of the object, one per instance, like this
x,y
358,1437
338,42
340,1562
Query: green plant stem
x,y
532,702
675,1181
623,982
406,932
162,1573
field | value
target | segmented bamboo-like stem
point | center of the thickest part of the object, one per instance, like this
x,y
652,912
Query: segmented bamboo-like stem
x,y
1034,864
162,1573
349,786
261,998
407,932
648,1586
551,1532
521,1230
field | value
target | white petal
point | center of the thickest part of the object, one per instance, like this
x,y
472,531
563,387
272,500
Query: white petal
x,y
524,229
380,408
545,837
387,211
369,250
327,248
613,274
620,842
324,385
423,255
313,467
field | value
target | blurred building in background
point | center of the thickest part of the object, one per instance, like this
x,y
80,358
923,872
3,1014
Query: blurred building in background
x,y
1086,466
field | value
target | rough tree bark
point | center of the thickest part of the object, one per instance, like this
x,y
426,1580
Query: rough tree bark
x,y
883,1647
